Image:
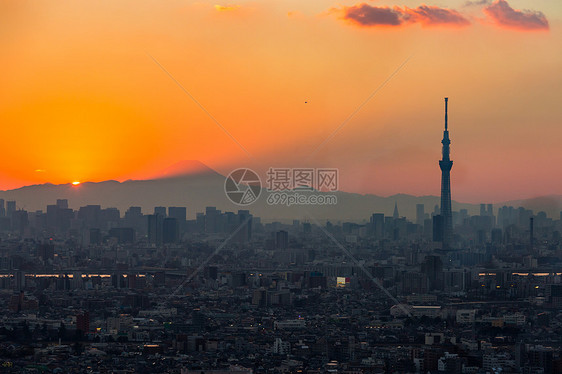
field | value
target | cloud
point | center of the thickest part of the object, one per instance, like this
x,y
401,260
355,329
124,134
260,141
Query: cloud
x,y
367,15
432,15
505,16
226,8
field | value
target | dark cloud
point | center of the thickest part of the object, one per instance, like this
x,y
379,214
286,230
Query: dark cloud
x,y
366,15
504,15
432,15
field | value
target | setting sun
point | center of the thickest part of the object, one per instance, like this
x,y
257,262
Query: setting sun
x,y
76,183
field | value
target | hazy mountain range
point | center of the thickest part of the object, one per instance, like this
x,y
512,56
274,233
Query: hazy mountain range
x,y
194,185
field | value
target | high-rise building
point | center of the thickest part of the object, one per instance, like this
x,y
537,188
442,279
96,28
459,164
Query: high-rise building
x,y
62,203
52,215
245,219
496,236
212,220
135,219
490,213
482,209
154,228
281,239
133,211
446,164
20,221
200,222
436,210
463,215
110,217
377,225
170,230
58,217
180,214
428,228
10,208
432,267
90,215
420,214
161,210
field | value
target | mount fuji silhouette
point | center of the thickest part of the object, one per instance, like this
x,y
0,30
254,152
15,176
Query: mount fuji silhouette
x,y
194,185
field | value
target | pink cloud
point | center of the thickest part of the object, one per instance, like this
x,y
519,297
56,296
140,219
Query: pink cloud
x,y
365,15
505,16
432,15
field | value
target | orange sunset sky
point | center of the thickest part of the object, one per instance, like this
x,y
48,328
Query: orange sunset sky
x,y
84,95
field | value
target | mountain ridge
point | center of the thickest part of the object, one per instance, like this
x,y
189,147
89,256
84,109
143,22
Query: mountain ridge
x,y
202,186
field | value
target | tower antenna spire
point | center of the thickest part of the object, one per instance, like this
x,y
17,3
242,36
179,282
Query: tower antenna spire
x,y
446,119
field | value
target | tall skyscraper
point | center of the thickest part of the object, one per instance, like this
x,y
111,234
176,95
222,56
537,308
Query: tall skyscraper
x,y
10,208
179,213
446,164
154,229
62,203
377,225
245,233
482,209
161,210
420,214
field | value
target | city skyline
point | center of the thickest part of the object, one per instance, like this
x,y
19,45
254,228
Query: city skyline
x,y
87,97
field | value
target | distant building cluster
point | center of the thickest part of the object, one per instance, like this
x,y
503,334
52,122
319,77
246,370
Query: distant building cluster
x,y
94,290
91,224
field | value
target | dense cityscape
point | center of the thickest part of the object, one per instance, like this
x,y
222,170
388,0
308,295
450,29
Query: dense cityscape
x,y
96,291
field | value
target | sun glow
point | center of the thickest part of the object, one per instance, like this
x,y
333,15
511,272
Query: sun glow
x,y
76,183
